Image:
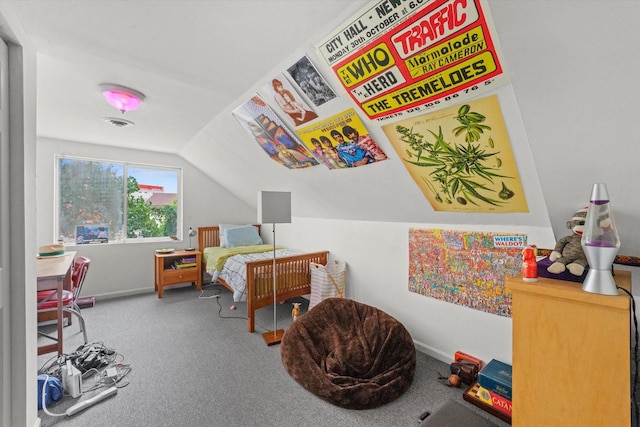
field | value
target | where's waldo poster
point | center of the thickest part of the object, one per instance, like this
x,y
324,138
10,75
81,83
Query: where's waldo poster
x,y
465,267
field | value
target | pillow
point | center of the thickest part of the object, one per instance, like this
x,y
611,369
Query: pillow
x,y
242,236
222,231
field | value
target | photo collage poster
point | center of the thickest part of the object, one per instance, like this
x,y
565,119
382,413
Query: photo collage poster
x,y
259,120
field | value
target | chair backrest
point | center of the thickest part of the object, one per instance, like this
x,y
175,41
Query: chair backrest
x,y
80,268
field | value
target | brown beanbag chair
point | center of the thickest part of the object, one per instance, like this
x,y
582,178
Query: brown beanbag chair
x,y
349,354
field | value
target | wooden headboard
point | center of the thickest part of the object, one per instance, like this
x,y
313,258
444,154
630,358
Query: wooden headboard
x,y
210,236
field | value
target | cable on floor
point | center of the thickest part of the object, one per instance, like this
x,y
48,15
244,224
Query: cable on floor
x,y
93,359
216,296
634,390
227,317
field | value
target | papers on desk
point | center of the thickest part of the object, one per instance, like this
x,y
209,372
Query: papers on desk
x,y
38,256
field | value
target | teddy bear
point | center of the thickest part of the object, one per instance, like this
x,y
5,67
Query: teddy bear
x,y
567,254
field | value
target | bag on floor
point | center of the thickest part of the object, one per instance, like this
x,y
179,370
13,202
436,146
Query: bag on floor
x,y
52,389
327,281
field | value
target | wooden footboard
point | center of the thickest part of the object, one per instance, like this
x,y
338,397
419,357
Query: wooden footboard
x,y
293,274
293,279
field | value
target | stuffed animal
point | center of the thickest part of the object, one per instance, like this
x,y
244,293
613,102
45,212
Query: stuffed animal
x,y
567,253
295,313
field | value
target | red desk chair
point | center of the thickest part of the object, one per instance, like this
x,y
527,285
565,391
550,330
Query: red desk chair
x,y
47,300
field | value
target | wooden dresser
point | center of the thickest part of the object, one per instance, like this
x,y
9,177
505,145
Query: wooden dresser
x,y
571,354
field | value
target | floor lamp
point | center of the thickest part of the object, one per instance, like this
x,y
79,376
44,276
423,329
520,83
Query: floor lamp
x,y
274,207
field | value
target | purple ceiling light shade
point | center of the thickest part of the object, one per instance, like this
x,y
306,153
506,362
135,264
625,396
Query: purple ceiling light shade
x,y
122,98
600,243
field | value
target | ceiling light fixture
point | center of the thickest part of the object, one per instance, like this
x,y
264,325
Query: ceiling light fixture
x,y
118,122
122,98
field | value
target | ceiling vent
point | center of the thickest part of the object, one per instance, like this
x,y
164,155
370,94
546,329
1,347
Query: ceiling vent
x,y
120,123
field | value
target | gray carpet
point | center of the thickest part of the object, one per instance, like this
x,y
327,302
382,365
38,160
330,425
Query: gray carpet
x,y
194,366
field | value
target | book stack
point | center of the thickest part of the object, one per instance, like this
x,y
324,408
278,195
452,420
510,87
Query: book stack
x,y
186,262
492,392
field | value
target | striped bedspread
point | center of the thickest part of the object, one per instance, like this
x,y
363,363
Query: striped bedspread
x,y
234,272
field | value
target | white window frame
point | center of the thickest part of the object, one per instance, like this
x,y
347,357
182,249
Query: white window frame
x,y
126,165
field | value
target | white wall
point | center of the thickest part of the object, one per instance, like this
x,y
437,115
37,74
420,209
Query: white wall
x,y
571,64
120,269
377,260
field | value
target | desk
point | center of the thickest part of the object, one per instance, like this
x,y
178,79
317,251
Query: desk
x,y
55,273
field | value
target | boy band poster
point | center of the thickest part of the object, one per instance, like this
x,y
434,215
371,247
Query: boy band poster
x,y
341,141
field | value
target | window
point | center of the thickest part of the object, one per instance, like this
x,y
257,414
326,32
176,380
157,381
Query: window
x,y
122,201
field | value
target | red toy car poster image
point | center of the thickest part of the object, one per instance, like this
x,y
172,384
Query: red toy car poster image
x,y
396,57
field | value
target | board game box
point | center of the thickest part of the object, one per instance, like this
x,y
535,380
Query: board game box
x,y
484,400
496,377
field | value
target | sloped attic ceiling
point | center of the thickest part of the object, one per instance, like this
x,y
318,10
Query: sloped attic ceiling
x,y
190,58
196,61
383,191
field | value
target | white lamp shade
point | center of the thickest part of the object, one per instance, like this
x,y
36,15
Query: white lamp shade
x,y
274,207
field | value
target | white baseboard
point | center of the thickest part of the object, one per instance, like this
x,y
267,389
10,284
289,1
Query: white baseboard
x,y
125,293
435,353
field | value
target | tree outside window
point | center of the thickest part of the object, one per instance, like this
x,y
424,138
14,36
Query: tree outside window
x,y
92,195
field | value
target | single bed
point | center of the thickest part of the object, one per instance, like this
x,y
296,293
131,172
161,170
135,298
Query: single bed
x,y
293,273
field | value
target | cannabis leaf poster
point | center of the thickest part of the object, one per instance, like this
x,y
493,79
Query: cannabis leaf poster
x,y
461,159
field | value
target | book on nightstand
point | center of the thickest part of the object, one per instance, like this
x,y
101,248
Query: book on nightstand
x,y
179,266
496,378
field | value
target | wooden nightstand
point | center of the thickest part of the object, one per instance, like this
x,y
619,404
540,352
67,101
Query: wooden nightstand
x,y
166,274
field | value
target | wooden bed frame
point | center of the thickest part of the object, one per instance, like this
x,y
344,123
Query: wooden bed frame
x,y
293,274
